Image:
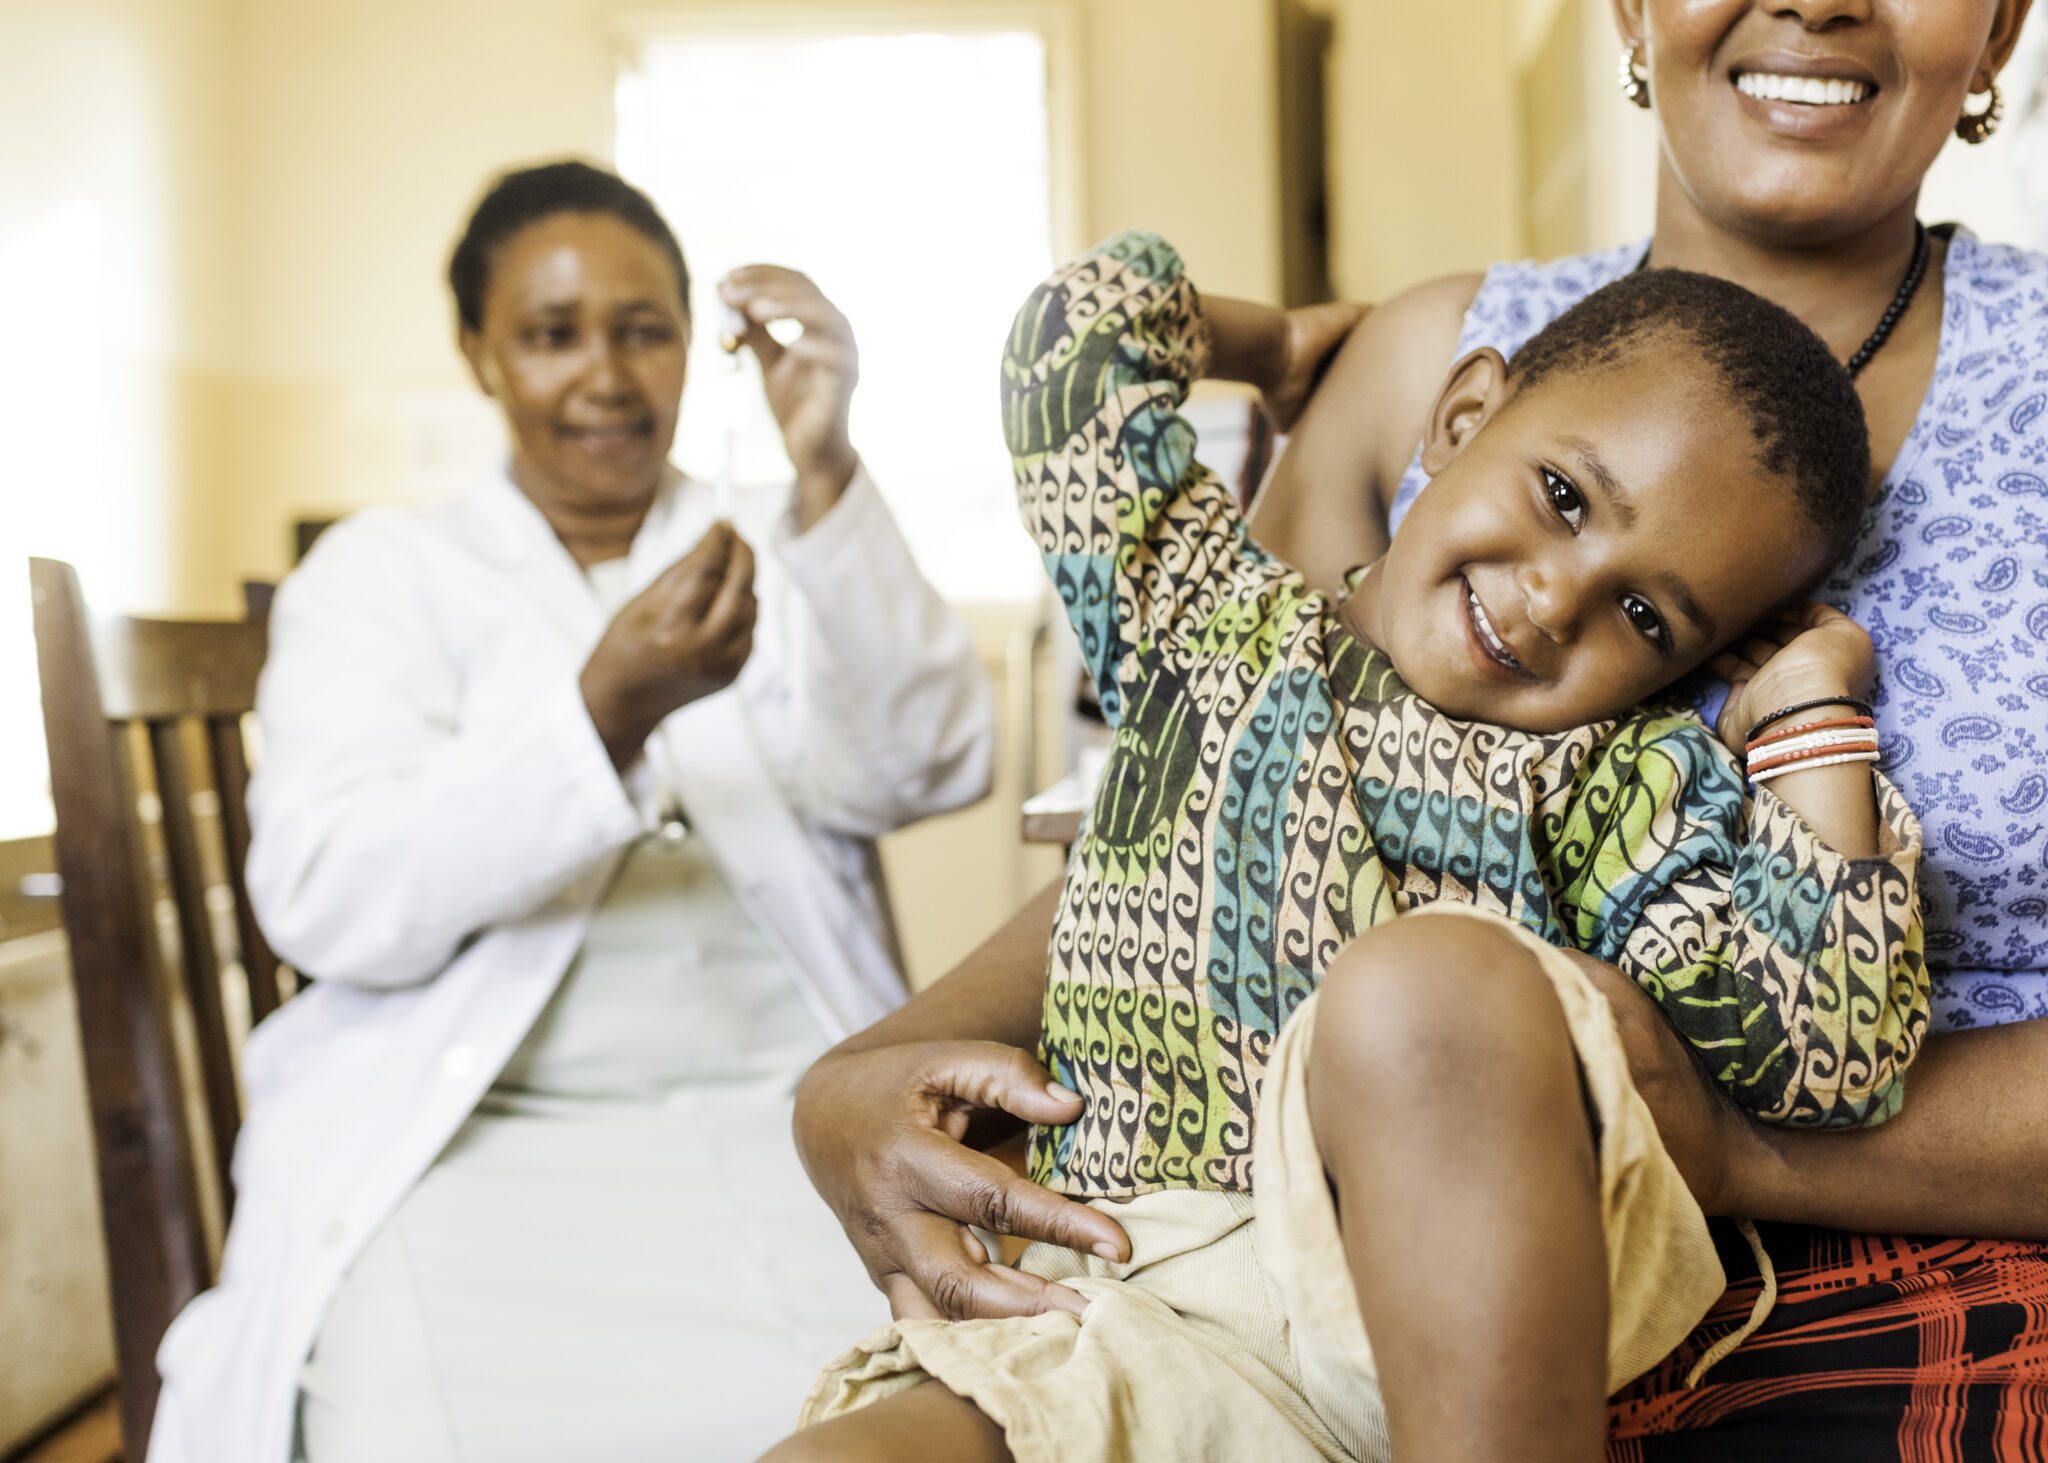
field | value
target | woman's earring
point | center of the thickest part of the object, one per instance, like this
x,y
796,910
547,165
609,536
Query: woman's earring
x,y
1634,84
1974,127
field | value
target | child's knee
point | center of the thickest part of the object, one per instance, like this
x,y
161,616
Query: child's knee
x,y
1417,1005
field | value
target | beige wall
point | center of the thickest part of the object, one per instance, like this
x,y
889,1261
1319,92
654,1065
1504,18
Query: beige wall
x,y
1424,140
116,128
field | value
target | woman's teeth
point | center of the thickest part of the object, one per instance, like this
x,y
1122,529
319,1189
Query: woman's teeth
x,y
1494,643
1814,91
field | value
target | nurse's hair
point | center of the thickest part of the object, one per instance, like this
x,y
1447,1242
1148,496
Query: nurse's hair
x,y
1803,410
528,195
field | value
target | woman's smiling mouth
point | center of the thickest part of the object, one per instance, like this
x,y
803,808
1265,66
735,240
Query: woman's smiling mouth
x,y
1811,91
618,437
1811,98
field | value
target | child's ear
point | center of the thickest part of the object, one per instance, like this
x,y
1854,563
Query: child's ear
x,y
1471,394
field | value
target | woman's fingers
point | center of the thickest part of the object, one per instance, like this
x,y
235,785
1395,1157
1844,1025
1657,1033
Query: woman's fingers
x,y
765,292
685,590
957,1286
766,348
735,592
969,1187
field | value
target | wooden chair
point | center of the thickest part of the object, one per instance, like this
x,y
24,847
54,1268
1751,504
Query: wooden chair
x,y
115,694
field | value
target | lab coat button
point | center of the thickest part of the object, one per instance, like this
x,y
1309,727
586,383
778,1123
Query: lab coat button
x,y
459,1062
334,1233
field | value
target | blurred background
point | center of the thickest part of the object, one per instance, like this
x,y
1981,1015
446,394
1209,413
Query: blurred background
x,y
224,223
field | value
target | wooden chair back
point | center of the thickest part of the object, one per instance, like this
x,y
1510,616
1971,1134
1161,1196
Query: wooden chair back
x,y
166,697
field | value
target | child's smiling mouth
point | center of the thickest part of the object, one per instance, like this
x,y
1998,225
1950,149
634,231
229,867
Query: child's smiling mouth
x,y
1489,639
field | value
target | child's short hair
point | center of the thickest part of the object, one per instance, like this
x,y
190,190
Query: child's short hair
x,y
1802,405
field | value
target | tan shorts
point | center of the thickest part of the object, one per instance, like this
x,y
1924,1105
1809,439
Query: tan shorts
x,y
1234,1331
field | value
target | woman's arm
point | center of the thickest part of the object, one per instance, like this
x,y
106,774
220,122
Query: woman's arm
x,y
1324,507
883,1126
1966,1155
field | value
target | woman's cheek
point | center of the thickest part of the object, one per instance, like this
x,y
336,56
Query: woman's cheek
x,y
1686,32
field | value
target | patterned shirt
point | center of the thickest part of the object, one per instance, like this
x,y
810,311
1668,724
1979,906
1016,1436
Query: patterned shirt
x,y
1950,576
1274,788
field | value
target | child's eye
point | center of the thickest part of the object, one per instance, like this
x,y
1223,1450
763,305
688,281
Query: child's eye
x,y
1647,622
1565,500
550,337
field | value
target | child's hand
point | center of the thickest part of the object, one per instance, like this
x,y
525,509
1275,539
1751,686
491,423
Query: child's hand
x,y
1314,332
1809,654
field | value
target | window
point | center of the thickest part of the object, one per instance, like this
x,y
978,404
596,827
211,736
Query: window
x,y
909,174
53,413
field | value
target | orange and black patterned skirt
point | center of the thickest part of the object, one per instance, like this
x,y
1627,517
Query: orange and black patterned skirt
x,y
1921,1350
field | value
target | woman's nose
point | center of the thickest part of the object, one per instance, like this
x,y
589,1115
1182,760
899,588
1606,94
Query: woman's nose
x,y
1816,15
607,375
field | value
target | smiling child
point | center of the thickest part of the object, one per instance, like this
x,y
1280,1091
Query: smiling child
x,y
1656,480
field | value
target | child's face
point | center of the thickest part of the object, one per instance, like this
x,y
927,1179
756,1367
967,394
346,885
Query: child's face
x,y
1606,532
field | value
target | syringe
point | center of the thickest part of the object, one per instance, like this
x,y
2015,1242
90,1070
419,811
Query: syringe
x,y
732,332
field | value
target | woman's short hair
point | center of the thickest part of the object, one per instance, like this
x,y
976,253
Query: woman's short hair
x,y
528,195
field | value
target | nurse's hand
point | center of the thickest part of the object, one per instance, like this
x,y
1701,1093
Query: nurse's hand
x,y
684,636
883,1132
809,382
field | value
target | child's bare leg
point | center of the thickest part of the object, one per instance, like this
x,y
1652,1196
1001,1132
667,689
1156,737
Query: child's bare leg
x,y
1445,1094
928,1421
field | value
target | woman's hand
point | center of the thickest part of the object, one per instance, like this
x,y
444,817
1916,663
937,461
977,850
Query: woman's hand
x,y
881,1132
1810,654
1709,1139
809,382
684,636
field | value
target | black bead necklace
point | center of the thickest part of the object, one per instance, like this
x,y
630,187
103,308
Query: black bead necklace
x,y
1901,298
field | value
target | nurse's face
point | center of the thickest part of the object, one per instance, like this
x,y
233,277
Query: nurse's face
x,y
584,338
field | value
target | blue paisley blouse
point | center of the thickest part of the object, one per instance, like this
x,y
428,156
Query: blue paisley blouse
x,y
1950,576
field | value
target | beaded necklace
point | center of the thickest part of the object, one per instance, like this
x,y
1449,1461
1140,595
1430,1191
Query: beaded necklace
x,y
1916,271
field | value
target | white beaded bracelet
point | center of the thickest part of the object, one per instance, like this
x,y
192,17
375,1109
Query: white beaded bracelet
x,y
1869,755
1764,758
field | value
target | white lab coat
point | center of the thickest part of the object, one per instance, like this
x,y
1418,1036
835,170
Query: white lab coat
x,y
435,819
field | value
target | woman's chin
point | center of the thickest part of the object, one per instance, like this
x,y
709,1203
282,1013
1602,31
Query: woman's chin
x,y
1785,202
612,481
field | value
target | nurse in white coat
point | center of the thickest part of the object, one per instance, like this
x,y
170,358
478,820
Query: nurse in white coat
x,y
565,806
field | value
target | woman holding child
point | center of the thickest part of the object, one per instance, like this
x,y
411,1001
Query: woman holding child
x,y
1795,139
